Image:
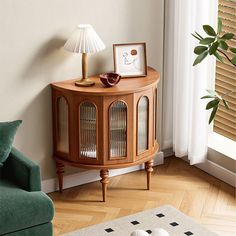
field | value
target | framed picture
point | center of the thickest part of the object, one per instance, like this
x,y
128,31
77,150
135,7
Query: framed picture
x,y
130,59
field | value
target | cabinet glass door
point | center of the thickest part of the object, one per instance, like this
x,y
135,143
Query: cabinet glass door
x,y
63,127
88,130
118,130
142,125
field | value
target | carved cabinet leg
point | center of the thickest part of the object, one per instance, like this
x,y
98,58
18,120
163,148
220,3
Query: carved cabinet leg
x,y
149,170
60,171
104,174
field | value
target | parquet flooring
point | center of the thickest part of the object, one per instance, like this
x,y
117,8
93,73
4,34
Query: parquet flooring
x,y
208,200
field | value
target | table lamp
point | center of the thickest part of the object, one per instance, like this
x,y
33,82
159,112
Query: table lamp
x,y
84,40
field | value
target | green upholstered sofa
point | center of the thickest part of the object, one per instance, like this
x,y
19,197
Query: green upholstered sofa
x,y
24,209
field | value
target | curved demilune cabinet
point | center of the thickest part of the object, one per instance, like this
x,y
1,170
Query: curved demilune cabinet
x,y
105,128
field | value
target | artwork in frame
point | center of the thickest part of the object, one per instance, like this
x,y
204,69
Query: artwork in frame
x,y
130,59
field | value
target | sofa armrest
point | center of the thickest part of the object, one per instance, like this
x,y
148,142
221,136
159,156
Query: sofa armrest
x,y
22,171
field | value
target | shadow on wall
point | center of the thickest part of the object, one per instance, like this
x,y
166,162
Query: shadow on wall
x,y
47,59
36,131
51,56
46,65
99,62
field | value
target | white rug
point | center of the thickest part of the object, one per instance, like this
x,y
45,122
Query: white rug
x,y
166,217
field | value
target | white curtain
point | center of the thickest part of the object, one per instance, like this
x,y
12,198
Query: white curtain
x,y
185,119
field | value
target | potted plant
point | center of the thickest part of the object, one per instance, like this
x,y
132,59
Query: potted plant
x,y
215,44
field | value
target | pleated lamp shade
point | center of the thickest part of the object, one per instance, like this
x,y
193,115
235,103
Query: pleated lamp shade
x,y
84,40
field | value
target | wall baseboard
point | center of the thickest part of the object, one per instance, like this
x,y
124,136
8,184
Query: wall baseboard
x,y
219,172
88,176
168,152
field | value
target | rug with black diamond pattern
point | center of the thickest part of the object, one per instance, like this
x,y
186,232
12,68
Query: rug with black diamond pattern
x,y
166,217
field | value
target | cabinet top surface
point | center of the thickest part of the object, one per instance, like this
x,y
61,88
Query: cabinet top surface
x,y
125,86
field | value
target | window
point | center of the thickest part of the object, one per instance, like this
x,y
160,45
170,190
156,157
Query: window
x,y
225,121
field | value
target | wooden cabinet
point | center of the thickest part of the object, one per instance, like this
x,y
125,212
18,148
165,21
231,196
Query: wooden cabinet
x,y
105,128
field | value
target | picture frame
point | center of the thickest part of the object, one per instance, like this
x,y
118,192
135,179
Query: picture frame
x,y
130,59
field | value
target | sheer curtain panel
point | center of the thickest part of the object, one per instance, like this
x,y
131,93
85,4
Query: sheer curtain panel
x,y
185,119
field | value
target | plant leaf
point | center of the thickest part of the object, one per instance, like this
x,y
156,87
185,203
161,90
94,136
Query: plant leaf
x,y
233,60
207,96
211,92
196,37
218,56
207,41
227,36
199,49
212,103
226,104
214,93
209,30
219,25
223,45
213,114
200,58
213,48
233,50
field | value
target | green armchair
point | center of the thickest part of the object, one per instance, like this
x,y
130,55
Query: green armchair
x,y
24,209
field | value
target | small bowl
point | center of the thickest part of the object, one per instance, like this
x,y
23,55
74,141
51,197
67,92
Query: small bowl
x,y
110,79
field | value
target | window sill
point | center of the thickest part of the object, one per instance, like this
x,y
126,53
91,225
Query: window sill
x,y
222,145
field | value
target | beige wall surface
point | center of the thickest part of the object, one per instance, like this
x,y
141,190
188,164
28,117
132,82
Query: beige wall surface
x,y
32,34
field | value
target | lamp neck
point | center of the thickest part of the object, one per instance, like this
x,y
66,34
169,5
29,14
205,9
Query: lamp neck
x,y
84,65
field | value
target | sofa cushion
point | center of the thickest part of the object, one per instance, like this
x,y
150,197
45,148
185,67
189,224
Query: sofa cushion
x,y
20,209
7,134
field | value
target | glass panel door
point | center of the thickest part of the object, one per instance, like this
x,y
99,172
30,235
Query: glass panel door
x,y
63,127
118,129
142,125
88,130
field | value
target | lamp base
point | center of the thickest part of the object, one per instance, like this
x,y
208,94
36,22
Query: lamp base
x,y
84,83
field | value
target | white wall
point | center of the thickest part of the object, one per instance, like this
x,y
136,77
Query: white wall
x,y
32,34
167,134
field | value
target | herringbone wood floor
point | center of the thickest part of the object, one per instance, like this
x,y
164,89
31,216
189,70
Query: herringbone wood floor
x,y
208,200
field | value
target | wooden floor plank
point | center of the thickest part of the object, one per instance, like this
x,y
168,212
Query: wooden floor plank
x,y
208,200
